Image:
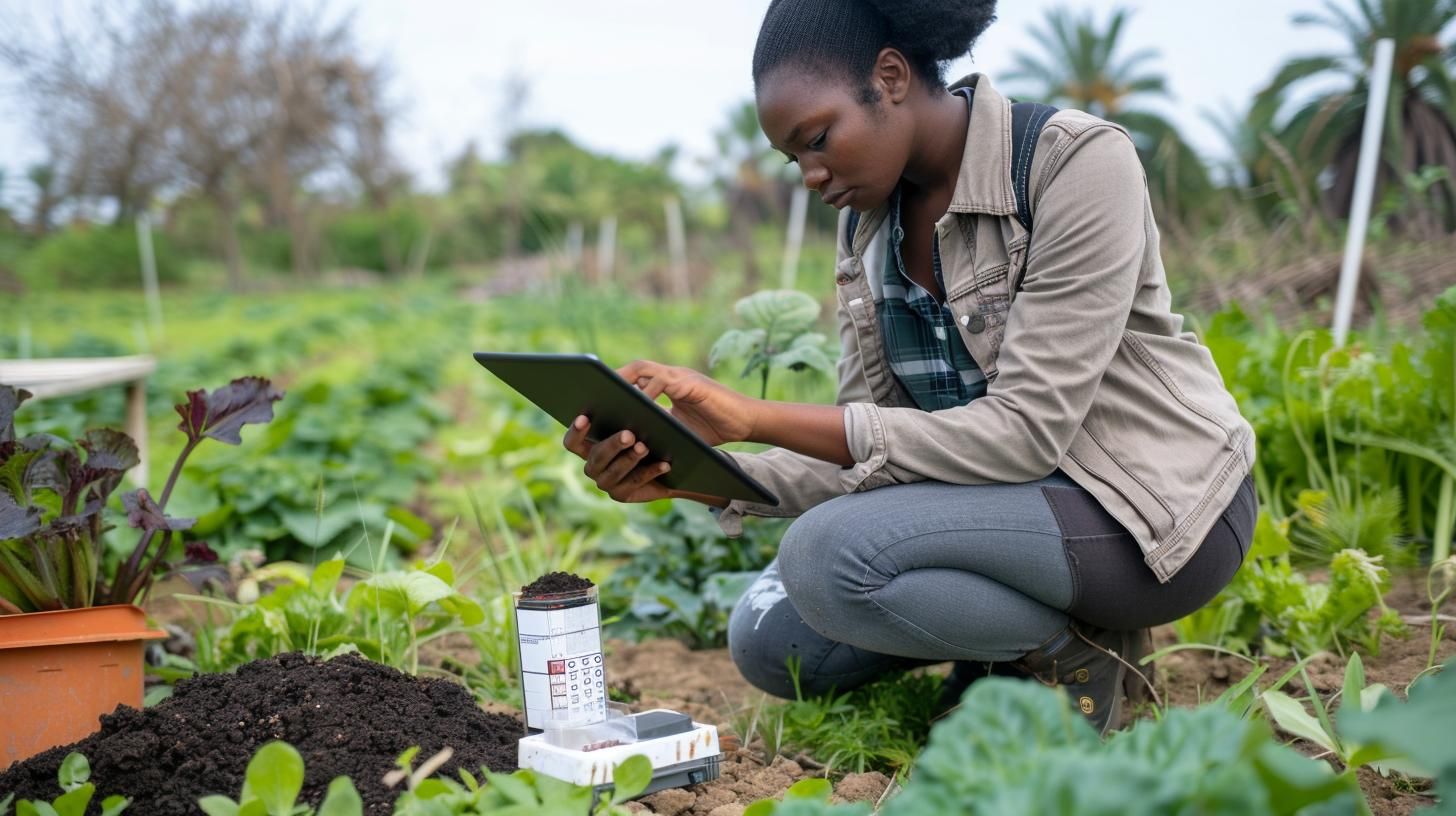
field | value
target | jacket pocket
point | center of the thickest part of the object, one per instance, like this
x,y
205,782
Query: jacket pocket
x,y
1161,443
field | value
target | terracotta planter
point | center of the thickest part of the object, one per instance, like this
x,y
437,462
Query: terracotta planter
x,y
60,671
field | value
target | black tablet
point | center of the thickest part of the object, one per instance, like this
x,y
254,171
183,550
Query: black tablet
x,y
570,385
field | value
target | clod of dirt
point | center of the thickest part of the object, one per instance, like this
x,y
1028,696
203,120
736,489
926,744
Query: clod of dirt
x,y
555,583
346,716
861,787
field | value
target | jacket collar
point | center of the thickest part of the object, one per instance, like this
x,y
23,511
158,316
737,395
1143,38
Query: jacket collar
x,y
984,185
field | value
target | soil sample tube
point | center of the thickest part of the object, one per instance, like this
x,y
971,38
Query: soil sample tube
x,y
559,634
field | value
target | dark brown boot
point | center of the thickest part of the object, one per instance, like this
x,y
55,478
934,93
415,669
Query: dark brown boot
x,y
962,674
1096,667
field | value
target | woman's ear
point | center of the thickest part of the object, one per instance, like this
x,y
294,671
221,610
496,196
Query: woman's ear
x,y
892,75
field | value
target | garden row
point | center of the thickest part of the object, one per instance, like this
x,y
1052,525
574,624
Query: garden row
x,y
399,495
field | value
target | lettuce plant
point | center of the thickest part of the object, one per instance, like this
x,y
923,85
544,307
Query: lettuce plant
x,y
524,791
77,791
1018,747
271,785
53,495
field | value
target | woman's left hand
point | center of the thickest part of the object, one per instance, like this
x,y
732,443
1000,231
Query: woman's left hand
x,y
715,412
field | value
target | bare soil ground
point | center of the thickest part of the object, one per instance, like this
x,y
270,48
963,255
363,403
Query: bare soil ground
x,y
705,684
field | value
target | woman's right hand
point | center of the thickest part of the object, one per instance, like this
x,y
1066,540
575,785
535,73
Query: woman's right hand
x,y
616,464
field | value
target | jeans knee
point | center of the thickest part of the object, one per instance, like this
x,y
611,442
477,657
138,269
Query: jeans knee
x,y
760,653
813,560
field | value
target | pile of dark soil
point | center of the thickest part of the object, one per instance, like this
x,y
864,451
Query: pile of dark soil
x,y
555,583
346,716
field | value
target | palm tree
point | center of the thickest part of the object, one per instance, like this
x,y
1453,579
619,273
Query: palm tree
x,y
1080,67
1419,133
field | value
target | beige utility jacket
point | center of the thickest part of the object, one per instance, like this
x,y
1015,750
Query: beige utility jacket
x,y
1089,370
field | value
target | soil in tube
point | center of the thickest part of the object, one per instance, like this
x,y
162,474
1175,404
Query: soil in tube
x,y
555,583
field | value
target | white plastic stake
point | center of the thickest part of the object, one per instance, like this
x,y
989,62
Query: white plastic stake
x,y
798,214
677,247
1364,187
149,273
606,248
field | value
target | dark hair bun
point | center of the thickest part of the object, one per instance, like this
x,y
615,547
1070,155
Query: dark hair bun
x,y
937,30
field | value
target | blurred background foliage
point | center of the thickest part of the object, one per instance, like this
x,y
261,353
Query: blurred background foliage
x,y
258,142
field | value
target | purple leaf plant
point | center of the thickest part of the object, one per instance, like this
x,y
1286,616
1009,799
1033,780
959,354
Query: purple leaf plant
x,y
53,496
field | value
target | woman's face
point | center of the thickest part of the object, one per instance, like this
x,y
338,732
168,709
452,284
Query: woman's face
x,y
852,154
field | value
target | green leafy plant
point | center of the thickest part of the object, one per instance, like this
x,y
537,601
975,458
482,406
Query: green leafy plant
x,y
346,455
387,616
687,578
879,726
1017,747
803,798
1273,604
53,495
271,785
779,335
1319,727
522,792
1418,729
74,776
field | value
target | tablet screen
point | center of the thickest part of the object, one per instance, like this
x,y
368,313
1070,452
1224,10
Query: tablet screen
x,y
570,385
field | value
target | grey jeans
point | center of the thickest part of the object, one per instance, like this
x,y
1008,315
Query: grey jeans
x,y
928,572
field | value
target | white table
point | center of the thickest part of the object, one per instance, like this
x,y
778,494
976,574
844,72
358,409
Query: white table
x,y
58,377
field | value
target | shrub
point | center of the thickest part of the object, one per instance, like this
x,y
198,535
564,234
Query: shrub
x,y
93,256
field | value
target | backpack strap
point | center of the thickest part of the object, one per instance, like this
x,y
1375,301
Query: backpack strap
x,y
1027,120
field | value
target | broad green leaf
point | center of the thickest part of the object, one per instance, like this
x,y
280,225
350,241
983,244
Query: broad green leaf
x,y
114,805
410,523
763,807
801,357
74,801
630,778
810,789
254,807
1269,540
342,799
1293,782
217,805
275,776
467,610
1290,715
779,311
13,474
1417,730
736,344
30,808
75,771
319,529
407,592
442,570
326,576
514,788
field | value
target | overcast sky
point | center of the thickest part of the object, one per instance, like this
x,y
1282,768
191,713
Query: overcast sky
x,y
630,76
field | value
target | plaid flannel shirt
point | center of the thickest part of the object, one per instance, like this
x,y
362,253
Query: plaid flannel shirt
x,y
924,349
